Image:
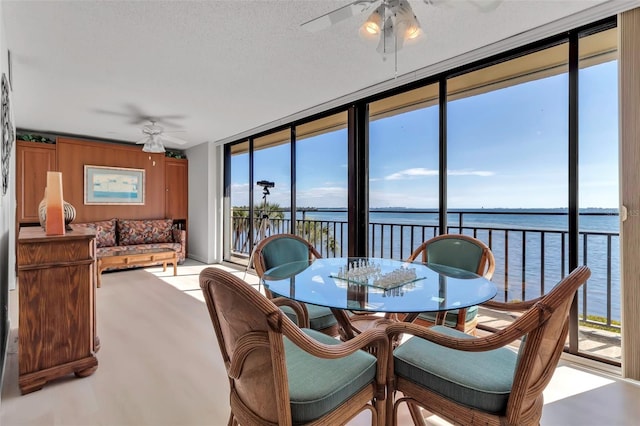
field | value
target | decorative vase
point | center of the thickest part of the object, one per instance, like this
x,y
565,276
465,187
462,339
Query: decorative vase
x,y
69,213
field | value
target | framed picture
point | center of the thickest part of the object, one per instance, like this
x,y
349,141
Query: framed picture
x,y
8,133
113,185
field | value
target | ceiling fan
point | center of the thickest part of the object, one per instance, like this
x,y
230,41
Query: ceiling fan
x,y
137,115
392,20
155,137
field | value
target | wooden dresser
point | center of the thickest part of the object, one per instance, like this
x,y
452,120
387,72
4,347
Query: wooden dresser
x,y
56,292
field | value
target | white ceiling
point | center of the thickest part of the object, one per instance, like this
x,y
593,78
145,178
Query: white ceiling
x,y
230,67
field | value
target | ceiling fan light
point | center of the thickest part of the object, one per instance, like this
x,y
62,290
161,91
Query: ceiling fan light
x,y
407,24
373,25
153,147
413,31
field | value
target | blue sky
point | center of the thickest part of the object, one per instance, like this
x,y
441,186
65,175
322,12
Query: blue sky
x,y
507,148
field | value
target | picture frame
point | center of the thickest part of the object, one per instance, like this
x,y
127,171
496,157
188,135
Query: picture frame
x,y
8,132
113,186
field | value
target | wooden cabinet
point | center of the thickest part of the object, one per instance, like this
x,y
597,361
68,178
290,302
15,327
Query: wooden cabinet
x,y
33,161
56,302
176,178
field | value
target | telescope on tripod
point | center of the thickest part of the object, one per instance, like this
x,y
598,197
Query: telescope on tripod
x,y
265,222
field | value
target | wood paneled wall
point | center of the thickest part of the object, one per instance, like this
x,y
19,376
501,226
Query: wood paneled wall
x,y
74,154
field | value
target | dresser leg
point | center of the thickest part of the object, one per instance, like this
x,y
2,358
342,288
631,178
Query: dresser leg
x,y
31,386
86,372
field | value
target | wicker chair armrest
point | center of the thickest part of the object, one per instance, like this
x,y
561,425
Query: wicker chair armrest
x,y
298,308
500,338
511,306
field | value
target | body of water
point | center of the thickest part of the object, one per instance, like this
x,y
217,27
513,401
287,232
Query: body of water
x,y
530,246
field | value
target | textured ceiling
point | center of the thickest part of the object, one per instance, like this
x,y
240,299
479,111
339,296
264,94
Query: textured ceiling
x,y
225,67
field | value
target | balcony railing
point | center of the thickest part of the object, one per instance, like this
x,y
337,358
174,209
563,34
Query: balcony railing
x,y
529,261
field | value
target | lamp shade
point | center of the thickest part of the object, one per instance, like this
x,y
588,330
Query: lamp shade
x,y
407,25
373,25
153,145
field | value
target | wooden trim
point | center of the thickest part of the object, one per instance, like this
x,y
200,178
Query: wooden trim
x,y
629,89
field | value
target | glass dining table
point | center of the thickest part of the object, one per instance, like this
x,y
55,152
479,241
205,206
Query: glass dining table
x,y
376,285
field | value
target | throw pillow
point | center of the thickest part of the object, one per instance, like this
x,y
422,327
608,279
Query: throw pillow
x,y
133,232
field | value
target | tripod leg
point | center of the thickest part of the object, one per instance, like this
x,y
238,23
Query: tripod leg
x,y
262,233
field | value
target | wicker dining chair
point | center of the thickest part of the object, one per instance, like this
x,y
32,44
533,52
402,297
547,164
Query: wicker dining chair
x,y
478,380
280,374
462,252
279,249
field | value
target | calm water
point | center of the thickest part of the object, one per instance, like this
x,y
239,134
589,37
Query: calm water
x,y
528,263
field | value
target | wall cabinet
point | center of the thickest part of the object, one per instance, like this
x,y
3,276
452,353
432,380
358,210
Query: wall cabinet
x,y
176,177
56,302
33,161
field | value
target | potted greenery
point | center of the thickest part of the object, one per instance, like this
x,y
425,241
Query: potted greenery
x,y
34,138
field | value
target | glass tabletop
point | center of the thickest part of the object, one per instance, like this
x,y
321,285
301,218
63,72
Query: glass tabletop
x,y
378,285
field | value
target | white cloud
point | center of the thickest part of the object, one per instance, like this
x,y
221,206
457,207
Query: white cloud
x,y
421,172
411,173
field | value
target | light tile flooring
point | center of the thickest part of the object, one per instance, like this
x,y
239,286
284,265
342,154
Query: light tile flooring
x,y
160,365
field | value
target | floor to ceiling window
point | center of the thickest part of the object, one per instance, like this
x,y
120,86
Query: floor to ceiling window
x,y
599,300
237,244
272,184
321,183
403,172
507,174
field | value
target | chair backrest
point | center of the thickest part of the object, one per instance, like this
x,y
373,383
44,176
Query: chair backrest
x,y
458,251
279,249
543,345
246,325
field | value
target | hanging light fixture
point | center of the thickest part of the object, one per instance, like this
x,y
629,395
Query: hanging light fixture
x,y
373,25
154,145
400,25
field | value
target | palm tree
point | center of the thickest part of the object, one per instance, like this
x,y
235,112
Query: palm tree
x,y
318,235
267,219
240,225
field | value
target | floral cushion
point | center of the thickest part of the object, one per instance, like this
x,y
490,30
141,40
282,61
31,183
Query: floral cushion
x,y
131,232
105,232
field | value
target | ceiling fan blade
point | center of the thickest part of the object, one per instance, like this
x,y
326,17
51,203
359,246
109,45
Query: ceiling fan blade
x,y
345,12
171,139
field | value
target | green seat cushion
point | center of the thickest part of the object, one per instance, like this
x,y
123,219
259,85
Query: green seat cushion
x,y
317,386
480,380
452,316
320,317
